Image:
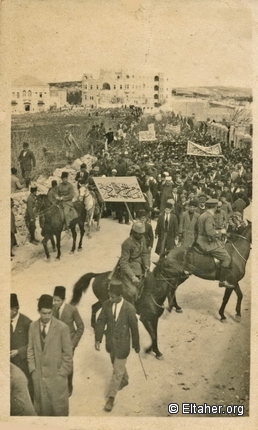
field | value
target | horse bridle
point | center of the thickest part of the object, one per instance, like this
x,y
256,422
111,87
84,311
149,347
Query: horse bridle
x,y
166,280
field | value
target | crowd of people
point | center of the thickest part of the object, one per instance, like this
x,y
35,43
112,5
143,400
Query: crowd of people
x,y
194,200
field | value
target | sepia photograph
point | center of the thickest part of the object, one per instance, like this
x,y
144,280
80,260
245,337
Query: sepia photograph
x,y
129,133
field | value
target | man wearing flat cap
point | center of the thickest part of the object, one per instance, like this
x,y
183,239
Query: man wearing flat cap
x,y
30,215
70,316
166,230
20,325
208,240
65,194
135,260
119,322
50,360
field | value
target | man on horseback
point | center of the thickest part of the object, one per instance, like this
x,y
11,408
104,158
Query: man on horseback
x,y
134,261
208,240
65,194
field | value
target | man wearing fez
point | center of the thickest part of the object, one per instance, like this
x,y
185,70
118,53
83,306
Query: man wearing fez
x,y
50,359
20,325
70,316
208,239
65,194
119,322
166,229
81,176
30,215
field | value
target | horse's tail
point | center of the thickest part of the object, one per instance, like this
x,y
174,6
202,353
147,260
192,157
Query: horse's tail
x,y
81,286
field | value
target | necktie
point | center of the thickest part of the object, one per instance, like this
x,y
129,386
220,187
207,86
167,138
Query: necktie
x,y
11,326
44,331
58,313
115,312
166,223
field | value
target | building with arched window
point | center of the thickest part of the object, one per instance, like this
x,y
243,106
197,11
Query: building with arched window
x,y
117,88
29,95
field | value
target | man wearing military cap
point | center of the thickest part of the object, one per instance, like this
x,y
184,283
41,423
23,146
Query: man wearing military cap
x,y
70,316
50,360
208,240
119,319
135,260
65,194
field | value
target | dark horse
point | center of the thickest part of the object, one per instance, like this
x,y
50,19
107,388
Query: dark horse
x,y
149,306
51,223
184,263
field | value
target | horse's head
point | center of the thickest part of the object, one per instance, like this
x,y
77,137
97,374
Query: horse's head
x,y
169,267
83,192
41,202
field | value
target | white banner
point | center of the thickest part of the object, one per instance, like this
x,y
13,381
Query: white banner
x,y
119,189
148,135
204,151
175,129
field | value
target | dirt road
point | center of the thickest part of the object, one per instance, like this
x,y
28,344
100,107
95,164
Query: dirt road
x,y
205,361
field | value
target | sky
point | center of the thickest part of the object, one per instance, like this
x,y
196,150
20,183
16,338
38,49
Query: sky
x,y
195,42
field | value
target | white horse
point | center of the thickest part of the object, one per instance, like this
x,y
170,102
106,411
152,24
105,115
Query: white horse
x,y
92,207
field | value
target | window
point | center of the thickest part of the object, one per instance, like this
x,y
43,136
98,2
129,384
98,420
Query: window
x,y
143,85
127,87
91,87
13,94
18,95
156,88
114,87
86,87
118,77
156,78
85,97
24,93
36,92
121,87
156,96
45,92
29,93
97,87
40,95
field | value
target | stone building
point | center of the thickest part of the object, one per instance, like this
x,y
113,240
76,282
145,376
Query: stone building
x,y
119,88
29,95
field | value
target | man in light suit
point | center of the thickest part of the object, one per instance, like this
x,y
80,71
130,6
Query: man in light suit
x,y
20,325
119,318
70,316
188,225
50,359
166,229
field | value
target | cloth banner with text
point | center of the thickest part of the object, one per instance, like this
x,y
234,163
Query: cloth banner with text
x,y
204,151
175,129
148,135
119,189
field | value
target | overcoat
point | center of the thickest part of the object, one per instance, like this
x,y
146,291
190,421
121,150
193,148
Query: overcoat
x,y
50,367
69,316
207,235
19,341
188,228
118,332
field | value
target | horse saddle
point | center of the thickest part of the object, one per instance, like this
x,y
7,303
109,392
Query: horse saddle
x,y
201,262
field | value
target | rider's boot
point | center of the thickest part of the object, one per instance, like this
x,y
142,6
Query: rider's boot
x,y
224,278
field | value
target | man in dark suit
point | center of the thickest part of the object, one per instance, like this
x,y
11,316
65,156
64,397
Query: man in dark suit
x,y
30,215
27,162
82,176
166,229
20,325
119,318
70,316
50,360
